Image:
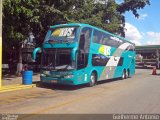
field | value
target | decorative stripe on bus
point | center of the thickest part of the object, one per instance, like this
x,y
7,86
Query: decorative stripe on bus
x,y
110,68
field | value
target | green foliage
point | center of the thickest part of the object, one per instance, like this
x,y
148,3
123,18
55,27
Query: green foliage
x,y
22,16
132,5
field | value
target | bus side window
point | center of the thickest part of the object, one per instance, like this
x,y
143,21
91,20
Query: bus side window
x,y
106,40
84,47
98,36
120,63
99,60
81,42
95,39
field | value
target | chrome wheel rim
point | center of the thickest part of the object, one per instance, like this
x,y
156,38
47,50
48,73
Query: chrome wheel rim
x,y
123,76
92,82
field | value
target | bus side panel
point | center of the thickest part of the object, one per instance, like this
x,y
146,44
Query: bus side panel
x,y
94,50
104,71
133,62
122,64
128,64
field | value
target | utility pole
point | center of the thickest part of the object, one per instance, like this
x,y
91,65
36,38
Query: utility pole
x,y
0,43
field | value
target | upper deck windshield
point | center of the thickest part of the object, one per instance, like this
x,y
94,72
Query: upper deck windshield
x,y
61,35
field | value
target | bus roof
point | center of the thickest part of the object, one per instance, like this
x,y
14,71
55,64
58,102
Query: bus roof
x,y
87,25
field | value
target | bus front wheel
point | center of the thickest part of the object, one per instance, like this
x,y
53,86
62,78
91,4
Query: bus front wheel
x,y
92,79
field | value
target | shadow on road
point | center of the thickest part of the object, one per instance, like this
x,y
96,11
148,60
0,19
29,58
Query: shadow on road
x,y
8,77
69,87
58,86
109,80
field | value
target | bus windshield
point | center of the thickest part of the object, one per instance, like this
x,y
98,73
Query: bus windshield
x,y
57,59
61,35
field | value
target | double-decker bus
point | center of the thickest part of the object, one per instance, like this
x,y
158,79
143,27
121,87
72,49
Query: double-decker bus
x,y
74,54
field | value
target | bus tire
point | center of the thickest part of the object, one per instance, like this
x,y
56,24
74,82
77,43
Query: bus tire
x,y
127,74
93,79
123,75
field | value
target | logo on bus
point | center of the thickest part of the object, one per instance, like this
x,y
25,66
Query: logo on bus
x,y
105,50
63,32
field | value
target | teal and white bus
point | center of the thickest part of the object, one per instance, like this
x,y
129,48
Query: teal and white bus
x,y
74,54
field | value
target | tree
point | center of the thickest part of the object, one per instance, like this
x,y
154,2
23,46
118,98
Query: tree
x,y
23,16
106,14
132,5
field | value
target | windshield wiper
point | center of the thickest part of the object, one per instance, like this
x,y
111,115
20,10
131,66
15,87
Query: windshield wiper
x,y
47,68
68,67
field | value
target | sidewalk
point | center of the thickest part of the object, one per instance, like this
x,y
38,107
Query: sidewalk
x,y
13,79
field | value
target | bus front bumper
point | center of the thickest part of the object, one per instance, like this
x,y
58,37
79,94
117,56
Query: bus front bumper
x,y
64,81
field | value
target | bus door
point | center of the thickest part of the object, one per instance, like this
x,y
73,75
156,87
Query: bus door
x,y
83,53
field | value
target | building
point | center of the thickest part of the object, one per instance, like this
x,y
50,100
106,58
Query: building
x,y
148,56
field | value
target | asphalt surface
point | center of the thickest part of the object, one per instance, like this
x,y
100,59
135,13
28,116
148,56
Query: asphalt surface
x,y
139,94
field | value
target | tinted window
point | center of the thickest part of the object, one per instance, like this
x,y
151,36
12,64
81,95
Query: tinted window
x,y
112,41
84,43
99,60
84,46
120,63
97,36
106,39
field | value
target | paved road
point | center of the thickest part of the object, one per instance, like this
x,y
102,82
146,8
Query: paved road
x,y
139,94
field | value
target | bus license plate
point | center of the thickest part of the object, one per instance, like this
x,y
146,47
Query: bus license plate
x,y
53,81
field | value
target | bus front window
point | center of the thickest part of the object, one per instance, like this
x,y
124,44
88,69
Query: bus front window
x,y
57,59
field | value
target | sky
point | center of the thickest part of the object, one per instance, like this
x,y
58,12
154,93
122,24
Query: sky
x,y
144,30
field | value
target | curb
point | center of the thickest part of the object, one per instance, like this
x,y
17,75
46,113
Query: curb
x,y
15,87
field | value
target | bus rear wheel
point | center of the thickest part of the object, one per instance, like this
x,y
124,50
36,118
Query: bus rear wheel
x,y
93,79
123,75
127,74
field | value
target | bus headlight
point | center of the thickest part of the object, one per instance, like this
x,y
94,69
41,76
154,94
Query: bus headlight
x,y
68,76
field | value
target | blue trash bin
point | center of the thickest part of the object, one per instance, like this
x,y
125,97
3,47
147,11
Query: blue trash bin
x,y
27,77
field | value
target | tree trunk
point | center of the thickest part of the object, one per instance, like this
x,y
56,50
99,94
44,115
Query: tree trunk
x,y
19,65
